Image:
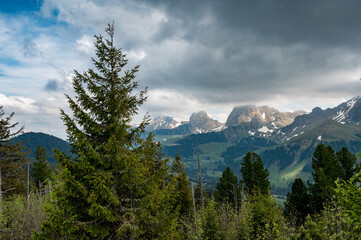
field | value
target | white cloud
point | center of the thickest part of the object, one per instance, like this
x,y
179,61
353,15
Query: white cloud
x,y
136,55
85,44
19,104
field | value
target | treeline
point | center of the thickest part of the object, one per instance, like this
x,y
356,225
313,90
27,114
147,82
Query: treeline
x,y
116,184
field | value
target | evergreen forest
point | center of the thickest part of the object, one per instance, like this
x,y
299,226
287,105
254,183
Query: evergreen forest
x,y
115,183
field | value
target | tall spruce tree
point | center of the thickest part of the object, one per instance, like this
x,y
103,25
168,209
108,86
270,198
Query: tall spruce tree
x,y
114,184
228,189
298,201
41,169
347,161
12,156
254,175
183,193
326,169
329,166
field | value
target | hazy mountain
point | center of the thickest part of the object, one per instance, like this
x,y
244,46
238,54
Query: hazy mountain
x,y
162,122
47,141
198,122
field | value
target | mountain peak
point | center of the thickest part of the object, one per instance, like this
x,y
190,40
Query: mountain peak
x,y
254,116
162,122
200,122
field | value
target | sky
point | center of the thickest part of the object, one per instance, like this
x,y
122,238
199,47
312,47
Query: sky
x,y
207,55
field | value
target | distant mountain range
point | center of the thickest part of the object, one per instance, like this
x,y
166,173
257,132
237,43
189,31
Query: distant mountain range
x,y
285,141
263,119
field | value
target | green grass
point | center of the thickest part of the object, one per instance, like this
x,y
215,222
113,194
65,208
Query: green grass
x,y
167,139
282,179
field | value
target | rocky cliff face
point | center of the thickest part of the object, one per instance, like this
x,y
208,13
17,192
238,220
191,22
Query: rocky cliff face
x,y
200,122
254,117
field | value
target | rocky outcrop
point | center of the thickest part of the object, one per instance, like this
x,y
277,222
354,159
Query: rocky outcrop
x,y
254,117
200,122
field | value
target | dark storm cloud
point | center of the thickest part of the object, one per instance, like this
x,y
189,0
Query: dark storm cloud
x,y
329,22
240,50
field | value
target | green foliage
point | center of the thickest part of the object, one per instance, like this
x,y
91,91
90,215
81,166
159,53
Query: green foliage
x,y
228,189
15,222
349,198
328,167
254,175
258,217
347,161
297,205
331,223
12,156
40,169
210,223
198,197
183,193
267,221
326,171
114,186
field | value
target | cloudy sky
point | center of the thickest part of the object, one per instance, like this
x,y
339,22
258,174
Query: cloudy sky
x,y
206,55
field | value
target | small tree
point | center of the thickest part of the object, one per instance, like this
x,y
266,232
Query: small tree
x,y
349,198
297,205
183,193
326,169
228,189
347,161
41,169
254,175
12,156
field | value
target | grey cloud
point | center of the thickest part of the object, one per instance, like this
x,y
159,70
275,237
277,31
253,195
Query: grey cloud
x,y
29,48
256,49
52,85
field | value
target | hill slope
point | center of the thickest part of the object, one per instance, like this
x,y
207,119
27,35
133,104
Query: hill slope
x,y
47,141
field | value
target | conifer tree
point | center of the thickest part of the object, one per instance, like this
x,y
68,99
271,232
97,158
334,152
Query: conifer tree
x,y
254,175
347,161
41,169
114,184
183,194
228,189
198,197
12,155
326,170
297,205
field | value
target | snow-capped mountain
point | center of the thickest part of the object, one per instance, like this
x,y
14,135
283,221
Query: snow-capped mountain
x,y
346,113
198,122
162,122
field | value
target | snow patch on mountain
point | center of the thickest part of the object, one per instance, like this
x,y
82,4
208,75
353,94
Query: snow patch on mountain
x,y
342,114
251,133
264,129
